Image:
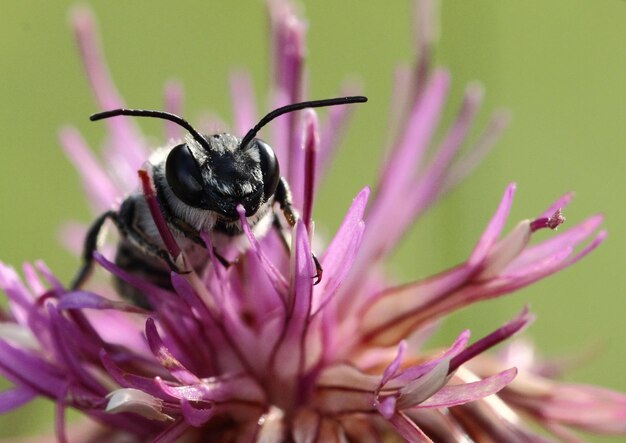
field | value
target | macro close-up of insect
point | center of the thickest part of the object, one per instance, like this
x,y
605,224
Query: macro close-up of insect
x,y
205,239
199,185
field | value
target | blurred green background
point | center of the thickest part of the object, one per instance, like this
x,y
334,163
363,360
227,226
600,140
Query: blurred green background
x,y
558,65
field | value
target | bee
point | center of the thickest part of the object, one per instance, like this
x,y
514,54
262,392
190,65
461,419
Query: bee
x,y
199,184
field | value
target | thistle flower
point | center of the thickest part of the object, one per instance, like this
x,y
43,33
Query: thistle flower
x,y
256,351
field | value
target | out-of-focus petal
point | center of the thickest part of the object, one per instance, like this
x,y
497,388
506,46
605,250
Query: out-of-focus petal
x,y
15,397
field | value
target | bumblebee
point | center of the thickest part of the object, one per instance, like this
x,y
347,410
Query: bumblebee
x,y
199,184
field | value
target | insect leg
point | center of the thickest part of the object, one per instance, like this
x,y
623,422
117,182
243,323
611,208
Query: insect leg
x,y
128,223
283,197
224,261
90,246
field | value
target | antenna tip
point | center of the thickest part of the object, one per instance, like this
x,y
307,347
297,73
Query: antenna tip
x,y
105,114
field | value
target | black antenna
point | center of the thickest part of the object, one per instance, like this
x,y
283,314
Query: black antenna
x,y
156,114
296,107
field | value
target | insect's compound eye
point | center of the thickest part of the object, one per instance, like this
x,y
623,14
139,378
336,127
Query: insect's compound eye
x,y
269,168
183,175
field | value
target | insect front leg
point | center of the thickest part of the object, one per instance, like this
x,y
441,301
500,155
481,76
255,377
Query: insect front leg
x,y
131,222
90,246
283,197
124,221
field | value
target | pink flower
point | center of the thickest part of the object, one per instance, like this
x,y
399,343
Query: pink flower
x,y
257,352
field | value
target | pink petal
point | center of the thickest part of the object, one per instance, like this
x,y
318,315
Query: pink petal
x,y
289,358
127,145
49,276
387,407
344,401
277,279
93,59
425,19
196,416
560,203
288,48
454,395
66,338
556,243
165,357
172,432
16,397
59,419
306,426
431,181
333,129
415,372
349,377
515,326
174,105
399,172
128,380
155,294
397,311
505,251
272,426
242,93
393,367
89,300
417,391
408,429
589,408
341,252
71,235
20,299
494,228
32,279
466,165
414,142
149,193
310,147
23,368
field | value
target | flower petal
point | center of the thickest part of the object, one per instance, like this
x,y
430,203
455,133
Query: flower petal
x,y
16,397
277,279
341,253
172,432
519,323
242,93
417,391
288,47
495,226
408,429
101,190
165,357
393,367
89,300
127,145
453,395
19,336
137,402
195,415
173,105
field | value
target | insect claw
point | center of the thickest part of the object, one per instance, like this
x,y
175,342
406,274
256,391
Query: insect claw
x,y
318,270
